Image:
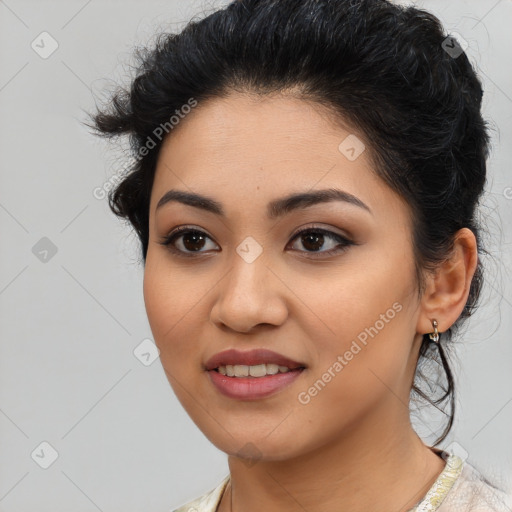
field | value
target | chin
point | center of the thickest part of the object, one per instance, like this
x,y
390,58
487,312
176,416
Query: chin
x,y
258,447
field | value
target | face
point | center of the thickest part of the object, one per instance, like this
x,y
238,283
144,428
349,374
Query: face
x,y
329,285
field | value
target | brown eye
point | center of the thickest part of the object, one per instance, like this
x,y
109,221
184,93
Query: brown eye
x,y
314,239
192,241
186,241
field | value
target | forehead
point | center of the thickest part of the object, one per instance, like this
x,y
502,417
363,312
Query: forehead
x,y
233,146
280,122
252,133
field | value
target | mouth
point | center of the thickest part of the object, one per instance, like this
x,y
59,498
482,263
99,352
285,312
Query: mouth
x,y
254,371
252,375
255,363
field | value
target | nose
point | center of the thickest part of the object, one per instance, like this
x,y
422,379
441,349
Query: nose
x,y
249,295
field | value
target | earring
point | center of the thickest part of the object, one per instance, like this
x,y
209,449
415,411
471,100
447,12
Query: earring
x,y
434,336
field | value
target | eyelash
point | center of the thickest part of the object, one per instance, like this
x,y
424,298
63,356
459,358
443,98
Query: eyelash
x,y
177,233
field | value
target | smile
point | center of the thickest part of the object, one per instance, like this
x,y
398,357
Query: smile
x,y
259,370
250,387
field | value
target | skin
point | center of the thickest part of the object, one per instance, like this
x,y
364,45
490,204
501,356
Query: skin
x,y
352,447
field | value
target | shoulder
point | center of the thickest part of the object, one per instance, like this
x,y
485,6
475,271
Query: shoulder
x,y
473,493
207,502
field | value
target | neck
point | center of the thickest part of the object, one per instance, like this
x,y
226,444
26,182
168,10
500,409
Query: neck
x,y
375,466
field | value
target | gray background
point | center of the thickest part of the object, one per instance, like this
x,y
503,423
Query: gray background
x,y
70,321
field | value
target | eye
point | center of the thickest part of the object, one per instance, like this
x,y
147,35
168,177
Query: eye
x,y
186,241
189,241
315,238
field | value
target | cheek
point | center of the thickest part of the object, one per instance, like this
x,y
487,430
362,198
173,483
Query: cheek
x,y
342,303
366,329
172,304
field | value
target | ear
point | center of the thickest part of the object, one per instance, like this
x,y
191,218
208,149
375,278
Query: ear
x,y
447,291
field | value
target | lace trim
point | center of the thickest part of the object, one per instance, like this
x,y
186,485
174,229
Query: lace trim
x,y
437,493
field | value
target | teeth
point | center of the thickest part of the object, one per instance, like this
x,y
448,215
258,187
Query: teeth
x,y
241,370
272,369
259,370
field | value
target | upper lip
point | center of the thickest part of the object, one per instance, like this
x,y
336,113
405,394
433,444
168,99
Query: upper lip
x,y
250,358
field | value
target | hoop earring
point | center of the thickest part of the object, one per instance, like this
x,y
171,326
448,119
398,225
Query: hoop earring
x,y
435,336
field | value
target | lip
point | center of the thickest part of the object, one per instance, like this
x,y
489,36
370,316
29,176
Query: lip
x,y
252,388
250,358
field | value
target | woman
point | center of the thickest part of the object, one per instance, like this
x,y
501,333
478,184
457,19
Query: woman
x,y
305,188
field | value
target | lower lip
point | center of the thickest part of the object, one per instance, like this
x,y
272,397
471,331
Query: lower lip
x,y
252,388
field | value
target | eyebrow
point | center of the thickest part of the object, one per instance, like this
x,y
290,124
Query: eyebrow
x,y
275,209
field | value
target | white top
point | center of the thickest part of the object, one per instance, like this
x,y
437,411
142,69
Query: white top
x,y
459,488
